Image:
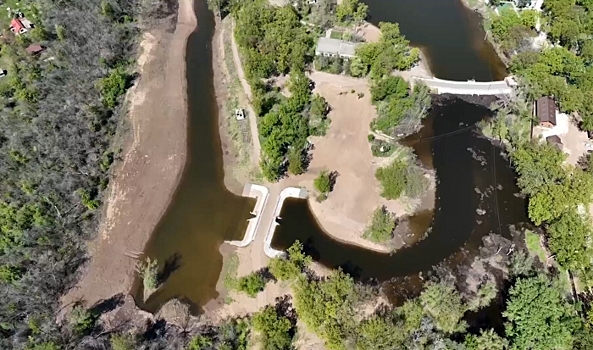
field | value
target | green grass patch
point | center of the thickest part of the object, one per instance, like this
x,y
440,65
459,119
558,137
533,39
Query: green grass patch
x,y
336,34
533,243
229,271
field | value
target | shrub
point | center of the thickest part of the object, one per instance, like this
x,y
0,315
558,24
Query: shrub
x,y
323,182
113,86
122,342
251,284
149,272
380,229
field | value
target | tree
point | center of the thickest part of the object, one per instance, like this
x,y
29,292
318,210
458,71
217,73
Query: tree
x,y
295,162
392,87
538,316
483,297
379,333
443,303
569,238
381,227
391,52
290,267
274,329
351,10
486,340
327,306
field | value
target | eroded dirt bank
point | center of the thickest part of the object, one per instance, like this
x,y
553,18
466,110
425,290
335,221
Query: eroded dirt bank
x,y
153,161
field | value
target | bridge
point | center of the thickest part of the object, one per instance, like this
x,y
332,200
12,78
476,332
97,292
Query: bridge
x,y
439,86
261,227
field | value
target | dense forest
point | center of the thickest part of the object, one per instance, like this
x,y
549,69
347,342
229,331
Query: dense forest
x,y
60,115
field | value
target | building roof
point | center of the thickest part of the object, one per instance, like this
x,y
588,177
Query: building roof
x,y
16,24
545,109
554,139
336,47
34,48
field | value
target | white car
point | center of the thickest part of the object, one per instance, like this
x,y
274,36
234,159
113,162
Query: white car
x,y
239,114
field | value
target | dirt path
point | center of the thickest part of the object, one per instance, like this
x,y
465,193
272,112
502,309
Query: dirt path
x,y
247,89
154,158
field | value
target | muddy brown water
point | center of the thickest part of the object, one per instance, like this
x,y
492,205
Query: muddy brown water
x,y
203,213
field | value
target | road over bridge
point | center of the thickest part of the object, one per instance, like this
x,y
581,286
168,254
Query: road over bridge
x,y
440,86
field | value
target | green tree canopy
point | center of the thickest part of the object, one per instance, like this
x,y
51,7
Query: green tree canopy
x,y
538,316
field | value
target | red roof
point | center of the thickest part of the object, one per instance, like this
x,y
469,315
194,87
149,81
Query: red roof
x,y
16,24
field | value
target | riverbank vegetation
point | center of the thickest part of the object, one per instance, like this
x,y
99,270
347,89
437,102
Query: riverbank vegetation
x,y
558,195
333,307
61,110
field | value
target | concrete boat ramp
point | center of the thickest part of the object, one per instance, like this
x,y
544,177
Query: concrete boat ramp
x,y
267,210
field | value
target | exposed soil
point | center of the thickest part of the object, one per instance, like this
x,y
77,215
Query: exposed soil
x,y
153,160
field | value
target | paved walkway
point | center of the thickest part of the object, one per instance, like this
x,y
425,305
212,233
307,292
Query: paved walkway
x,y
251,116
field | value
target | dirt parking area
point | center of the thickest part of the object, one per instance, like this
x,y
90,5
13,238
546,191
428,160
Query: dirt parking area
x,y
573,140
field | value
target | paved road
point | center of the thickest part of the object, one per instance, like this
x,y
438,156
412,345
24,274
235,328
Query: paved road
x,y
467,87
247,89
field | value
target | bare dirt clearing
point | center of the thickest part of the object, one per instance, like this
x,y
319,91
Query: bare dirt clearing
x,y
154,157
345,149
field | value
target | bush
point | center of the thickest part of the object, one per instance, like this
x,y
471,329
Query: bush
x,y
393,179
82,320
251,284
113,86
148,269
381,226
401,177
122,342
323,182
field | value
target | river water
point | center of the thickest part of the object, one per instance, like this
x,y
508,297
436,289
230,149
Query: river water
x,y
203,213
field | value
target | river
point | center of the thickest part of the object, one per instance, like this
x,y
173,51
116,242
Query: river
x,y
203,213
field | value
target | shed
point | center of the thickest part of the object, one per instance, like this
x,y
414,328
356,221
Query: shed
x,y
34,49
545,110
335,48
554,140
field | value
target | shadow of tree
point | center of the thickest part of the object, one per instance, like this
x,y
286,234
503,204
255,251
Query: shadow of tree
x,y
171,264
107,305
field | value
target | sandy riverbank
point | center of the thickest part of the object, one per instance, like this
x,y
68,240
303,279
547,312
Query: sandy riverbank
x,y
153,160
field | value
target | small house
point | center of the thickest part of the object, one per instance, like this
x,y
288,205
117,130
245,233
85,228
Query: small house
x,y
34,49
17,27
545,111
330,47
555,141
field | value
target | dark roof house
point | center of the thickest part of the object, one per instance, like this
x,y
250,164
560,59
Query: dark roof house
x,y
34,49
545,110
